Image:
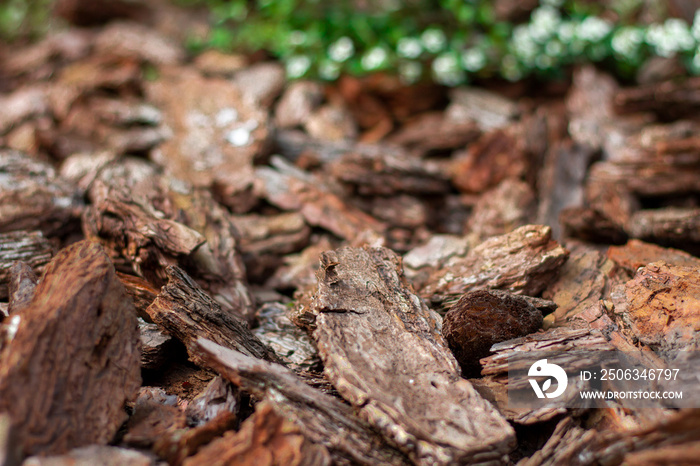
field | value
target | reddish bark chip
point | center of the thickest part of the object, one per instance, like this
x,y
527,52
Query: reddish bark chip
x,y
482,318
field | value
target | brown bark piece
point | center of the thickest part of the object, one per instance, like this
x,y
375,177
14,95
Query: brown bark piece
x,y
291,189
389,174
32,197
434,131
29,247
672,99
589,104
636,254
661,305
217,134
140,291
101,455
422,261
94,13
496,156
501,210
185,311
218,397
366,316
523,262
155,416
584,280
23,283
79,331
482,318
265,439
325,420
155,346
678,227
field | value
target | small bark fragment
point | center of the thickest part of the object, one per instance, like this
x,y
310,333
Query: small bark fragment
x,y
266,439
31,248
501,210
155,346
188,313
155,416
32,197
366,315
23,283
218,397
679,227
323,419
435,131
482,318
672,99
289,188
523,262
79,330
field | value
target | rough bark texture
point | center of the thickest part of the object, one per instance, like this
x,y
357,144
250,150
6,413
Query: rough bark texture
x,y
79,331
482,318
661,305
23,282
32,248
32,197
367,315
266,439
522,262
188,313
322,418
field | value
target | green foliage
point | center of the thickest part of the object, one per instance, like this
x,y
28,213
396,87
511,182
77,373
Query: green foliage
x,y
450,41
24,18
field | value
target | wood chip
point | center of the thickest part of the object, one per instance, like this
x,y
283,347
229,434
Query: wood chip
x,y
522,262
185,311
29,247
79,330
366,316
323,419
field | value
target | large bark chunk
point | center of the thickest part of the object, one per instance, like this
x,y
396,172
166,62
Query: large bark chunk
x,y
322,418
29,247
383,351
522,262
188,313
77,347
661,305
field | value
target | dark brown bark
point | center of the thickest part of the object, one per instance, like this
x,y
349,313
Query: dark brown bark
x,y
80,332
323,419
367,315
185,311
23,283
32,248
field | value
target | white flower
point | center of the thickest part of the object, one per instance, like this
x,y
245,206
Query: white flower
x,y
409,47
297,66
473,59
433,40
593,29
329,70
566,31
544,22
297,38
446,70
678,30
695,30
626,42
341,50
671,37
554,48
410,71
374,58
523,45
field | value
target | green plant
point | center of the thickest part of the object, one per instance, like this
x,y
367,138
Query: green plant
x,y
24,18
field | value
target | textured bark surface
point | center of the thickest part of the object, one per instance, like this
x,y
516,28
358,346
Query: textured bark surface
x,y
23,282
79,331
32,248
265,439
383,351
32,197
156,345
522,262
661,305
482,318
185,311
636,254
322,418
